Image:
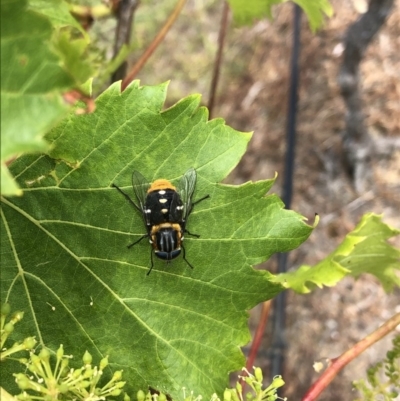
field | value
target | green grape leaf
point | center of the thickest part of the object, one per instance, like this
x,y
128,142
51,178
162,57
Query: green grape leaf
x,y
64,243
30,80
246,11
364,250
38,63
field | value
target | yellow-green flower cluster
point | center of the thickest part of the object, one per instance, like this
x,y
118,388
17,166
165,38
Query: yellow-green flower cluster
x,y
6,328
47,383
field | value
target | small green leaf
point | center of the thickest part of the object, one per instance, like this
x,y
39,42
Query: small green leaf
x,y
8,185
383,378
74,54
245,12
57,11
64,243
69,40
364,250
315,11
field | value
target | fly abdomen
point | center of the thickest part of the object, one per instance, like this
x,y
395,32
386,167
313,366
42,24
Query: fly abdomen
x,y
167,241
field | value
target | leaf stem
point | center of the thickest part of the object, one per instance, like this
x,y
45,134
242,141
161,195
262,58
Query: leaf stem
x,y
218,59
258,336
266,307
153,45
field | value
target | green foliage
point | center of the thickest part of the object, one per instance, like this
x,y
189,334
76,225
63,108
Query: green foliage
x,y
377,387
7,326
258,392
64,254
246,11
50,380
254,381
38,63
57,11
364,250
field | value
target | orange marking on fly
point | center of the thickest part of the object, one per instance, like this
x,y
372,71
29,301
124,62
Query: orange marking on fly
x,y
159,227
161,184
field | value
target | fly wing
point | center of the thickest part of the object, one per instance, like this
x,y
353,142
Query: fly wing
x,y
176,211
186,190
140,187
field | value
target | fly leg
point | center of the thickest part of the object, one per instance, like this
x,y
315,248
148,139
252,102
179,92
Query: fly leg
x,y
127,197
193,235
184,257
152,264
195,203
199,200
136,242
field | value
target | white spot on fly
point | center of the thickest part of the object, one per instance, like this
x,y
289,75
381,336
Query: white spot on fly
x,y
164,211
162,192
162,200
179,207
147,211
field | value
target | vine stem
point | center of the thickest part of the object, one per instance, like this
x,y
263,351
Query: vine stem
x,y
154,44
124,13
258,336
337,364
266,308
218,59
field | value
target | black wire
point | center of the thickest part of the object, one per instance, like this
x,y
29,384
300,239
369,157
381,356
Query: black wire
x,y
279,341
292,111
